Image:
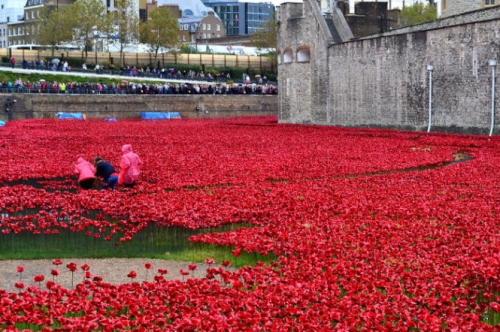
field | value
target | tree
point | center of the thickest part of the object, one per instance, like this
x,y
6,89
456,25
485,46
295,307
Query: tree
x,y
52,28
161,30
266,39
418,13
90,21
125,30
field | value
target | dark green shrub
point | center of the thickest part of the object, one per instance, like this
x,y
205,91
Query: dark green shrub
x,y
183,67
75,62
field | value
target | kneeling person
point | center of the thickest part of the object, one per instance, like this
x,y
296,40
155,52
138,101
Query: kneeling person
x,y
107,172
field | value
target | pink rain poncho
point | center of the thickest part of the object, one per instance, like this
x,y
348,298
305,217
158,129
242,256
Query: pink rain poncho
x,y
130,166
84,169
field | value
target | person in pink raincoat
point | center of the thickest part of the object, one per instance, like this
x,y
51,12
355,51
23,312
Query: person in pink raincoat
x,y
130,167
85,171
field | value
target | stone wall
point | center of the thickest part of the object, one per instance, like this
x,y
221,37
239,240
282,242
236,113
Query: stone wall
x,y
130,106
305,83
383,81
454,7
482,15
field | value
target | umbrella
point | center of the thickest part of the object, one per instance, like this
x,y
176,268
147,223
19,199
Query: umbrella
x,y
170,69
56,60
42,80
124,81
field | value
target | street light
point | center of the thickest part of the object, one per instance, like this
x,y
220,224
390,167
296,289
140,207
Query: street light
x,y
96,35
492,63
9,105
430,68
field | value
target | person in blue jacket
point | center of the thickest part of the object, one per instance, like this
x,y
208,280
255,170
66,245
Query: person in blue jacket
x,y
106,172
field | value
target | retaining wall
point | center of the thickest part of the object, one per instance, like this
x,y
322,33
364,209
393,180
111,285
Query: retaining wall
x,y
130,106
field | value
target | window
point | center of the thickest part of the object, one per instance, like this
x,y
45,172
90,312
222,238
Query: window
x,y
204,26
287,56
303,55
217,28
208,27
489,2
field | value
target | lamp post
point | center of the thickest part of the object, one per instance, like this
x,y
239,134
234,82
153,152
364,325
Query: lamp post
x,y
492,63
9,105
430,68
96,35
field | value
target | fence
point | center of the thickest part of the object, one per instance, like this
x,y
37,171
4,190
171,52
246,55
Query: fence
x,y
142,59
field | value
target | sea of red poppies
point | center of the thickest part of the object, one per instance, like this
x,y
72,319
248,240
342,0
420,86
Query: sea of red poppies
x,y
373,229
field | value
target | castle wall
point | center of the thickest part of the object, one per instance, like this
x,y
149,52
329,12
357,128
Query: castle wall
x,y
383,81
130,106
455,7
302,95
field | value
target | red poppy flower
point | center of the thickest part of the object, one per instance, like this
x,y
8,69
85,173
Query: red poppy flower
x,y
72,267
39,278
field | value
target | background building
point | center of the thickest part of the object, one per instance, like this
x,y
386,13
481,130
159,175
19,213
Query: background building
x,y
241,18
456,7
189,8
11,12
195,29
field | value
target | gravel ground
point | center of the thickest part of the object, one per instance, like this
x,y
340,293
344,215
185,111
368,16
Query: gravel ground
x,y
112,270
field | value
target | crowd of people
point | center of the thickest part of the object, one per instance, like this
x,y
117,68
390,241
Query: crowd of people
x,y
220,83
145,88
138,71
128,176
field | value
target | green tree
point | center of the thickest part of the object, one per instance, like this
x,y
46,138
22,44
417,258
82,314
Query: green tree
x,y
266,39
52,28
418,13
161,30
125,26
90,22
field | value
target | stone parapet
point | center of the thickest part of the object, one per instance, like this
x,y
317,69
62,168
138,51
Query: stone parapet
x,y
130,106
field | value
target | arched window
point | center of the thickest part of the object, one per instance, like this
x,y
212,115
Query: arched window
x,y
303,54
188,12
287,56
